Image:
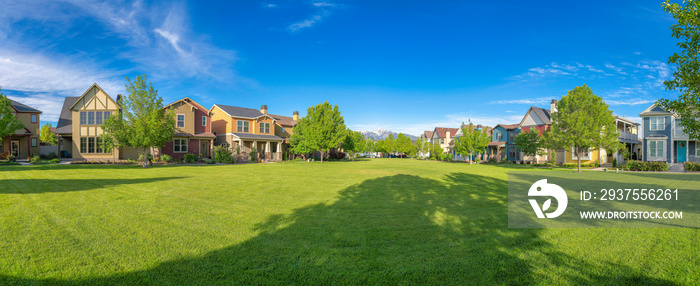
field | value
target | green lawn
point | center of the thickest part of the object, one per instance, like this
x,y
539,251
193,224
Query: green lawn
x,y
386,221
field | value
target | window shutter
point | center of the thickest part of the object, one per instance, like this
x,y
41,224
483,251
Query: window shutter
x,y
648,149
665,156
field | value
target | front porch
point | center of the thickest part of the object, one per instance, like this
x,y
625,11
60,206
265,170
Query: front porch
x,y
266,147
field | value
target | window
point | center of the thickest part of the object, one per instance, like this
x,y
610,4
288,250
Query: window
x,y
656,148
107,114
83,144
657,123
204,121
243,126
83,118
98,118
511,152
180,146
99,144
264,127
586,155
91,144
34,118
33,142
499,135
283,130
697,149
442,140
91,118
180,120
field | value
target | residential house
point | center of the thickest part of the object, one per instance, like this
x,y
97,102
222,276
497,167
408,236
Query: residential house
x,y
193,135
537,119
628,131
284,128
664,138
80,127
443,136
246,128
502,145
25,141
427,135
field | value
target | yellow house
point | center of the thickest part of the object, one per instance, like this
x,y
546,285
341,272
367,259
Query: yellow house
x,y
25,141
247,128
80,127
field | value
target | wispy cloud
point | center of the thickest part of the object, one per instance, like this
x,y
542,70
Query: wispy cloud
x,y
532,101
451,120
615,68
629,102
325,9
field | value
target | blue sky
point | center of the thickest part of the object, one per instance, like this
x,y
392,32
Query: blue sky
x,y
406,66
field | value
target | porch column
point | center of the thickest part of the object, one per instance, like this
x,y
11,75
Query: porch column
x,y
279,151
255,145
267,150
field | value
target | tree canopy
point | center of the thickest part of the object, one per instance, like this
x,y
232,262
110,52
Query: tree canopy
x,y
529,142
142,122
46,136
686,77
353,143
472,142
321,129
583,122
8,121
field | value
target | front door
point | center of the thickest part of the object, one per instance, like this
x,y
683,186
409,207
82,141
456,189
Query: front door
x,y
681,151
14,148
204,148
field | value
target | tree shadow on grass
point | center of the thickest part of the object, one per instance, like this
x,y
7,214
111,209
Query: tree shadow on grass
x,y
38,186
399,229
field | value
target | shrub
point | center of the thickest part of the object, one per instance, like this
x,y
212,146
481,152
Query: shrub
x,y
210,161
691,167
190,158
253,154
55,160
614,163
167,158
447,157
11,158
656,166
149,156
35,160
223,154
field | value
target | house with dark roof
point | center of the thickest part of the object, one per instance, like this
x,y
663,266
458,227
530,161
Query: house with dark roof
x,y
539,120
459,157
80,131
502,143
665,139
193,130
243,129
25,141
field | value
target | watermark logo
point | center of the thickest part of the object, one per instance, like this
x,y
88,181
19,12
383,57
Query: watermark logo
x,y
542,189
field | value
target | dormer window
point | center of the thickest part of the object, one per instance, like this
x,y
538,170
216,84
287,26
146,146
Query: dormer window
x,y
264,127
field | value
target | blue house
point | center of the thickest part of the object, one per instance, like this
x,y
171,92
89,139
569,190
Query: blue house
x,y
664,139
503,142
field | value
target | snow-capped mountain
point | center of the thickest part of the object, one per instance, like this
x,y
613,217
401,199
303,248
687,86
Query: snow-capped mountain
x,y
380,134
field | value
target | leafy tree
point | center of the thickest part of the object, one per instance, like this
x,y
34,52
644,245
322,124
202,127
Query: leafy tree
x,y
473,141
142,122
436,152
685,78
404,145
299,144
423,147
389,144
46,136
8,121
370,146
321,129
583,122
353,142
529,142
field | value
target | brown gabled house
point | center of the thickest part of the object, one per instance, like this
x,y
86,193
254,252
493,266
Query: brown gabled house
x,y
25,141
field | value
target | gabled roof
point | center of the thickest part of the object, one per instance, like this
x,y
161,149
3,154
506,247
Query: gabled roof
x,y
542,113
86,91
255,136
442,131
655,109
65,120
20,107
284,120
428,134
191,103
235,111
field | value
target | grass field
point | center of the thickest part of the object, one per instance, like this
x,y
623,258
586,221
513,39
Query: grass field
x,y
386,221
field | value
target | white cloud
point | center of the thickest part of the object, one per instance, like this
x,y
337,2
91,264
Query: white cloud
x,y
323,4
637,53
531,101
306,23
615,68
325,10
629,102
451,121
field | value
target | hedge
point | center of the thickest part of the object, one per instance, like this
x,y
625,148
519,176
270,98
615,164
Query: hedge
x,y
691,167
657,166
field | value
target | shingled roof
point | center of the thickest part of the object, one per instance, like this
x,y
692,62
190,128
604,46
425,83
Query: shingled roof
x,y
441,131
65,120
240,111
21,107
284,120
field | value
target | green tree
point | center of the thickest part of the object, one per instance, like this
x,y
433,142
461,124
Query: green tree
x,y
353,142
404,145
46,136
472,142
436,152
583,122
142,122
423,147
685,77
389,144
529,142
370,146
8,121
321,129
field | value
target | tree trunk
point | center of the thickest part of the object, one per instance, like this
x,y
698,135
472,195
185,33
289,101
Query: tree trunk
x,y
579,154
322,153
471,159
145,158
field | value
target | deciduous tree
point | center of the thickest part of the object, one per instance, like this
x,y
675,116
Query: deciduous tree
x,y
529,142
142,122
583,122
685,77
46,136
321,129
473,141
8,121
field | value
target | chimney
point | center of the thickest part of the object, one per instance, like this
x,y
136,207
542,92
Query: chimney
x,y
263,109
553,106
295,116
447,134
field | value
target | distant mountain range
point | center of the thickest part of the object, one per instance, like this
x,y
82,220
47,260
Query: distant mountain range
x,y
380,134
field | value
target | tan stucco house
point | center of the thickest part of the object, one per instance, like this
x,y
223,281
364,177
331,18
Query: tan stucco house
x,y
25,141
